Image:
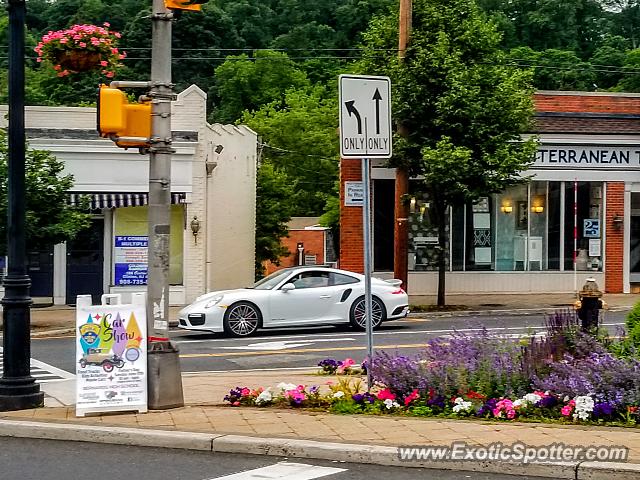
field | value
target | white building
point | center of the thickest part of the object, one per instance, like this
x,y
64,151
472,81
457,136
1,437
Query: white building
x,y
213,180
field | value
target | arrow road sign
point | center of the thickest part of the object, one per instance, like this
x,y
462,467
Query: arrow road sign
x,y
365,116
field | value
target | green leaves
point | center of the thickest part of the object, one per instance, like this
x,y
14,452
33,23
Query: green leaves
x,y
49,217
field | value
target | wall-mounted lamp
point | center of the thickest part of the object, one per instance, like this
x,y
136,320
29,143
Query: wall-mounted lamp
x,y
537,209
412,205
218,149
617,222
195,228
508,208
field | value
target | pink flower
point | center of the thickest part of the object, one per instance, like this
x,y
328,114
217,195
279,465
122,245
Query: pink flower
x,y
106,24
82,44
348,362
245,392
110,74
386,395
63,40
568,408
104,63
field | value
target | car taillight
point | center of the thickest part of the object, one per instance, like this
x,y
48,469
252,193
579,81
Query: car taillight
x,y
398,292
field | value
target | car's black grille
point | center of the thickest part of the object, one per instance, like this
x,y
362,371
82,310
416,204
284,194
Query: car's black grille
x,y
183,322
196,319
399,310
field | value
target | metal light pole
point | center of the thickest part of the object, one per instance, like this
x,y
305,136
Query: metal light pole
x,y
18,389
164,376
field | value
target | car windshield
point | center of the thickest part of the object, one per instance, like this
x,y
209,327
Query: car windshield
x,y
270,281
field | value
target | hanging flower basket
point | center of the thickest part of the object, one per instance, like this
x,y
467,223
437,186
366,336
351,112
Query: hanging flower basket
x,y
81,48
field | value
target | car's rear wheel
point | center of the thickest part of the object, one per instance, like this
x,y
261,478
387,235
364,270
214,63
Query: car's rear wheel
x,y
242,319
107,367
357,316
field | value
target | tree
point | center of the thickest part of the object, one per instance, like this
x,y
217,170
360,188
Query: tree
x,y
49,217
462,107
245,84
273,211
301,139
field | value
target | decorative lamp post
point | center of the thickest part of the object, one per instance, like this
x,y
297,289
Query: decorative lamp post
x,y
18,389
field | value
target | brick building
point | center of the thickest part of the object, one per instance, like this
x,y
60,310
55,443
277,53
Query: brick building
x,y
586,175
308,243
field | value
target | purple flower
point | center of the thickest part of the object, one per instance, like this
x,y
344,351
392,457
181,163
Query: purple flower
x,y
603,410
548,401
487,408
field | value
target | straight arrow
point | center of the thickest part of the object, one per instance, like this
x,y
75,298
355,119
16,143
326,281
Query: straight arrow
x,y
377,97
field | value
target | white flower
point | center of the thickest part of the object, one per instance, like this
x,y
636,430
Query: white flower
x,y
287,386
532,398
338,394
461,405
389,403
519,403
584,407
264,397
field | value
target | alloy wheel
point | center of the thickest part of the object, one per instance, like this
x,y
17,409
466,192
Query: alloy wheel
x,y
359,313
243,320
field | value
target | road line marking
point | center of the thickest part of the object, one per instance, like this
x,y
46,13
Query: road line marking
x,y
302,350
284,471
50,368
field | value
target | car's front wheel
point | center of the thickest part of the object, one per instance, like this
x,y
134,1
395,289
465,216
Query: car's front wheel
x,y
242,319
357,316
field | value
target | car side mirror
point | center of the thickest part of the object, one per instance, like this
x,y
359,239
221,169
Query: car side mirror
x,y
287,287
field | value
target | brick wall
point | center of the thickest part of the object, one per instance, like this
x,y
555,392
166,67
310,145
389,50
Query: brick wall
x,y
615,238
351,235
313,241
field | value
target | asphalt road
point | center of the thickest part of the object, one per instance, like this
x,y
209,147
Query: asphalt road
x,y
29,459
299,348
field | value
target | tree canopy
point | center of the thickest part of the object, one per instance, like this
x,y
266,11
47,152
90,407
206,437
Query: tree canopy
x,y
49,217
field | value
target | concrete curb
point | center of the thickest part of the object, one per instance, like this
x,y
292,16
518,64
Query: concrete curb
x,y
310,449
512,311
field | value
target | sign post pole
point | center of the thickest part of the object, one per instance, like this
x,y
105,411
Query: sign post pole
x,y
365,133
366,227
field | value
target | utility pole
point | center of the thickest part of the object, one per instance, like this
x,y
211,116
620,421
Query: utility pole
x,y
164,375
18,389
401,214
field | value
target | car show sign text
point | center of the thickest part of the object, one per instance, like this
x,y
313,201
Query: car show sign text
x,y
111,355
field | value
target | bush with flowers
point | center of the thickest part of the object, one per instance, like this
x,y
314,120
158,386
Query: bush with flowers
x,y
81,48
566,377
348,366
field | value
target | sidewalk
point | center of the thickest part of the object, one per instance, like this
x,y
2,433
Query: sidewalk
x,y
282,431
60,319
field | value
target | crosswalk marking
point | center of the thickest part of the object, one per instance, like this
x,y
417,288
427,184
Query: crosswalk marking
x,y
284,471
43,372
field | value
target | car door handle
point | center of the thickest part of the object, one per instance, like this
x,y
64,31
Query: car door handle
x,y
325,296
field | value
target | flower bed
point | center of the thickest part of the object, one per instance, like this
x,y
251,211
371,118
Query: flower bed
x,y
81,48
567,377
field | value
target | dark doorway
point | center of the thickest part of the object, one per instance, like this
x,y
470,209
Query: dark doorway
x,y
383,221
40,269
85,263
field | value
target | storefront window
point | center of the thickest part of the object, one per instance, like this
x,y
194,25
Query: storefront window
x,y
523,228
423,235
130,246
587,198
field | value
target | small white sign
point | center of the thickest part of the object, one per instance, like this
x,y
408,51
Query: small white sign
x,y
111,355
594,247
365,116
353,194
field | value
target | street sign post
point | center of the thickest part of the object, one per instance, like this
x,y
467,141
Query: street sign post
x,y
365,132
365,116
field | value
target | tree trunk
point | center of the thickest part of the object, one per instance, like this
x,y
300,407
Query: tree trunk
x,y
441,209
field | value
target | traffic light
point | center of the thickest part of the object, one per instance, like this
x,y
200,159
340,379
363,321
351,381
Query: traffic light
x,y
117,118
194,5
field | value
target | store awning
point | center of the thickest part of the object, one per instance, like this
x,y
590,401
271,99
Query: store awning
x,y
118,200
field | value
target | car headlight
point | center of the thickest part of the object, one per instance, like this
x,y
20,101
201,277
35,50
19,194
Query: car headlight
x,y
214,301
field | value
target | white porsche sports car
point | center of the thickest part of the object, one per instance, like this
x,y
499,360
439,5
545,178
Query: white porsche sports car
x,y
297,296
